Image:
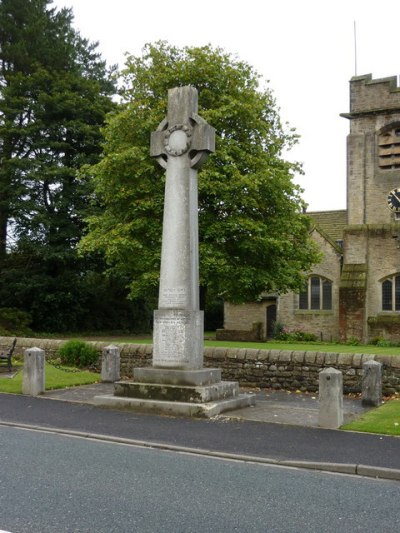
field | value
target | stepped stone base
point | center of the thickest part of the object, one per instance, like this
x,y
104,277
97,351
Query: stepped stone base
x,y
171,393
176,408
204,376
177,392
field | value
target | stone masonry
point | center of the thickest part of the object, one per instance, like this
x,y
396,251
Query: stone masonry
x,y
277,369
360,246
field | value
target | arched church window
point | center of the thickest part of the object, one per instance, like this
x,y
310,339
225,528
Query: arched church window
x,y
317,294
389,147
391,293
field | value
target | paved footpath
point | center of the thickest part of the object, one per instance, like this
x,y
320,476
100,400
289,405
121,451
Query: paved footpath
x,y
229,436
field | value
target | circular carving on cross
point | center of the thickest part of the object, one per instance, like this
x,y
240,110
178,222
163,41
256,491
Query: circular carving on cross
x,y
177,139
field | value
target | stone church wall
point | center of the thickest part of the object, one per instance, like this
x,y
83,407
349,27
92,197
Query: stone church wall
x,y
244,322
243,316
374,105
376,248
241,321
368,184
323,323
383,261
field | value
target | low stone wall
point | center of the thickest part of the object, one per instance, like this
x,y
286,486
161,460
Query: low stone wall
x,y
298,370
238,335
256,333
277,369
132,355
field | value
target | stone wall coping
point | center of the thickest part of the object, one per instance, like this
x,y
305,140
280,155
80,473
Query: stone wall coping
x,y
385,359
331,358
395,362
252,353
285,356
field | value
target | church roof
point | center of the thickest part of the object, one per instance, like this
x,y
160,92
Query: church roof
x,y
330,222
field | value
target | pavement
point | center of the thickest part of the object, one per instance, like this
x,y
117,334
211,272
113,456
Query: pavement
x,y
282,429
275,406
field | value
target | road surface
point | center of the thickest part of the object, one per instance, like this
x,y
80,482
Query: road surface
x,y
56,483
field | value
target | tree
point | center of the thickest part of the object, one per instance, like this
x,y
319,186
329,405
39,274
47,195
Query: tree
x,y
254,236
55,91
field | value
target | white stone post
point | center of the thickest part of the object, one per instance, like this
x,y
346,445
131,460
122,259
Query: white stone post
x,y
371,393
330,398
110,364
34,372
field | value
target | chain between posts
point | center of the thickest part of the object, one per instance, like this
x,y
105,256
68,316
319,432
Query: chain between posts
x,y
55,364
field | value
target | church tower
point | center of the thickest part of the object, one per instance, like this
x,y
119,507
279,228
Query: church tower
x,y
369,290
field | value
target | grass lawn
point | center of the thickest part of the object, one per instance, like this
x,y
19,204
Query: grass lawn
x,y
271,345
309,347
384,420
55,379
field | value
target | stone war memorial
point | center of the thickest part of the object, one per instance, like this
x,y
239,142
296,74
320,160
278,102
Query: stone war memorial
x,y
177,383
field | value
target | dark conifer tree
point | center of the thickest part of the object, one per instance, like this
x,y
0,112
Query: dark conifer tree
x,y
55,91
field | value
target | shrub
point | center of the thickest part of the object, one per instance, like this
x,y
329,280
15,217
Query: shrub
x,y
306,336
385,343
277,330
353,341
297,335
78,353
14,321
376,340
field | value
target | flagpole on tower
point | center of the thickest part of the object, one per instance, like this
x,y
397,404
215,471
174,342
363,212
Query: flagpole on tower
x,y
355,49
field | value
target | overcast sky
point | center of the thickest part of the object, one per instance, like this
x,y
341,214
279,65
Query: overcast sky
x,y
304,48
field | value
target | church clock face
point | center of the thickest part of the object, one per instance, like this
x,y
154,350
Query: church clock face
x,y
393,200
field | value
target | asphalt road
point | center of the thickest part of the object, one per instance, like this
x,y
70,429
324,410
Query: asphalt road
x,y
53,483
273,441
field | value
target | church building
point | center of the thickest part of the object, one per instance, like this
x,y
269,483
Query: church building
x,y
354,292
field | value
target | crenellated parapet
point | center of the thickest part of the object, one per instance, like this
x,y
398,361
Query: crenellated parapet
x,y
369,96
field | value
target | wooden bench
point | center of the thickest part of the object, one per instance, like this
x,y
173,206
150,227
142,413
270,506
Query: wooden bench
x,y
7,354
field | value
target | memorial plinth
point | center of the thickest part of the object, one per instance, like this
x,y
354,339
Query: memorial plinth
x,y
177,383
178,339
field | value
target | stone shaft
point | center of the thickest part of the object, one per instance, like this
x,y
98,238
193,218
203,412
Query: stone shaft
x,y
179,276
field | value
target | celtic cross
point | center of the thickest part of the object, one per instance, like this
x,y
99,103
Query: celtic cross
x,y
181,144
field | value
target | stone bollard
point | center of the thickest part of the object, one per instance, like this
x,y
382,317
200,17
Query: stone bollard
x,y
330,398
110,364
33,376
371,392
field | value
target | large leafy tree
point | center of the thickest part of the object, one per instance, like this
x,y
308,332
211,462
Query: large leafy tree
x,y
253,234
55,91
